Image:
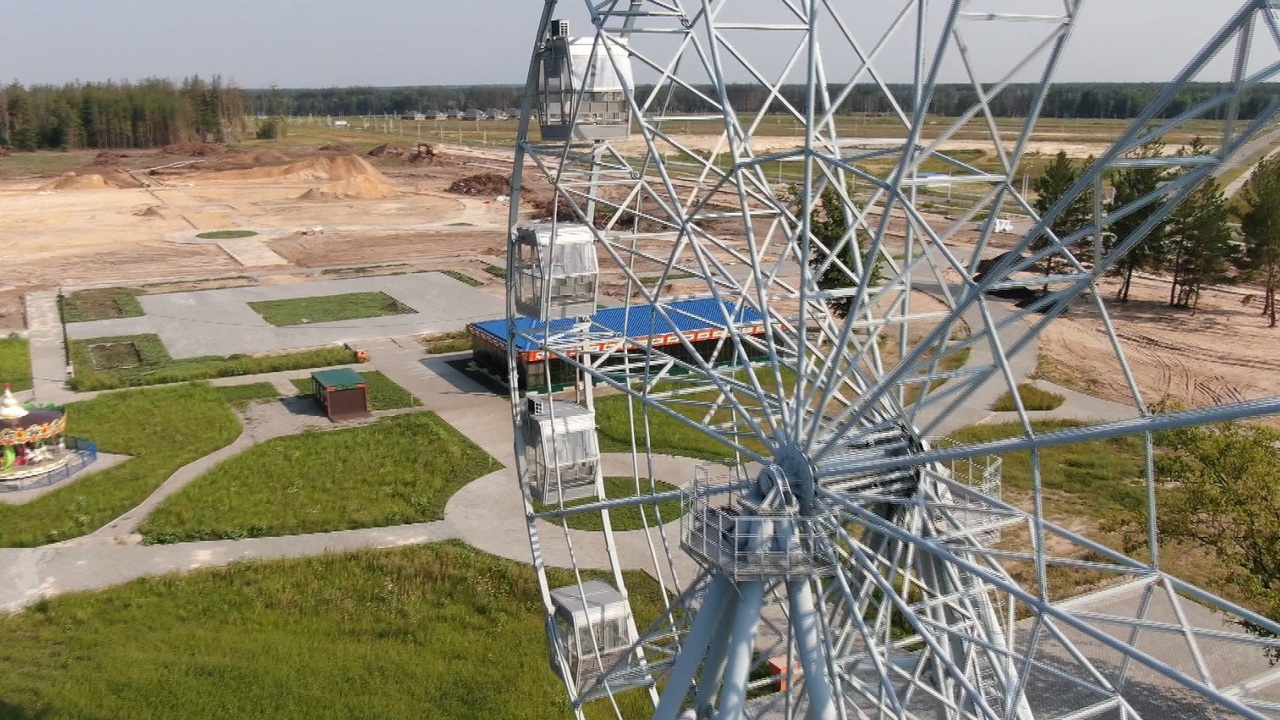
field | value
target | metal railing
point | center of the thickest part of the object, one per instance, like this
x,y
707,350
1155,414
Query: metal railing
x,y
83,453
746,542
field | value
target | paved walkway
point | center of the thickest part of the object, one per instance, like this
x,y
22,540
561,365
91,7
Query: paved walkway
x,y
48,353
220,322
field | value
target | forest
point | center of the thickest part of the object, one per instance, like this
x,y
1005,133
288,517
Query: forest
x,y
156,112
149,113
1065,100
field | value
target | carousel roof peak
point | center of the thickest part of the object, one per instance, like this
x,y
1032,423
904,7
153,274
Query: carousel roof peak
x,y
10,408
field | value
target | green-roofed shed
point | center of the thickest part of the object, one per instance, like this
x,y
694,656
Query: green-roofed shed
x,y
342,392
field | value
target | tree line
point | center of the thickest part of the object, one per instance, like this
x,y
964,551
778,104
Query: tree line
x,y
1194,246
120,115
1065,100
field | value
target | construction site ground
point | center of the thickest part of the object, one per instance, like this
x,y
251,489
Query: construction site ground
x,y
331,214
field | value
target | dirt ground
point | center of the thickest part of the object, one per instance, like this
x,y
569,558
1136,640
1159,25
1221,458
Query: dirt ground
x,y
323,210
1224,352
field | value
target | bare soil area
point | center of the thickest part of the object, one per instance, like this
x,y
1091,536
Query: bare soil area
x,y
1224,352
125,219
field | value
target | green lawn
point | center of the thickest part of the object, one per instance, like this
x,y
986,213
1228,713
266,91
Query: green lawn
x,y
1096,478
226,234
444,343
628,518
399,470
241,395
101,304
1033,398
439,631
163,429
329,308
462,278
131,360
384,393
15,362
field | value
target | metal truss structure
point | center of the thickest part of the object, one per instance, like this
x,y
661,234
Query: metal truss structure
x,y
845,560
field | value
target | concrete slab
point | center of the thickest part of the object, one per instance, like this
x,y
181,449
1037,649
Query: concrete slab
x,y
251,252
220,322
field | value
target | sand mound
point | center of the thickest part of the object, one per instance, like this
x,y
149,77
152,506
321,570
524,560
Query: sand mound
x,y
334,169
268,157
359,187
338,148
106,157
90,181
150,211
196,149
482,184
389,150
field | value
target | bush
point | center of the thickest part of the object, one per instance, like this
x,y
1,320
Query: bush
x,y
1033,399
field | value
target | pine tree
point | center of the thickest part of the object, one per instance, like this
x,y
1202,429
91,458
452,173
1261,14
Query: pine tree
x,y
828,224
1198,242
1260,225
1052,185
1130,185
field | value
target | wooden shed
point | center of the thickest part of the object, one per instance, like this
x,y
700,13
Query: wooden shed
x,y
342,392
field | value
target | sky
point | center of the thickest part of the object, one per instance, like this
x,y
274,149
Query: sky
x,y
324,43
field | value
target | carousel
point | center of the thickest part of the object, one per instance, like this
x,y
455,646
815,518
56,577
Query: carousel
x,y
33,444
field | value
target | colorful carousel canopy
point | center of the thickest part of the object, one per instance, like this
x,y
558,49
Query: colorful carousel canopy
x,y
19,426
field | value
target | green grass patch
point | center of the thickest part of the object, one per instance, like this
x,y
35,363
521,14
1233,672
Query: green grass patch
x,y
628,518
462,278
134,360
666,434
365,270
101,304
1033,398
163,429
384,393
15,362
496,271
1097,478
329,308
398,470
226,234
373,634
443,343
241,395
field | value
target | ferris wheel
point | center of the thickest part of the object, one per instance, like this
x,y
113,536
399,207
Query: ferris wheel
x,y
743,327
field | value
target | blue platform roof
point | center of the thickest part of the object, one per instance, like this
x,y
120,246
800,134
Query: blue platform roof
x,y
640,321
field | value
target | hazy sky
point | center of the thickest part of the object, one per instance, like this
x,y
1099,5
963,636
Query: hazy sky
x,y
320,43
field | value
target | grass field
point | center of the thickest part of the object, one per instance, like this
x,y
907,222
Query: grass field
x,y
628,518
226,234
1090,480
384,393
462,278
329,308
443,343
1033,398
439,631
162,428
101,304
15,362
398,470
133,360
241,395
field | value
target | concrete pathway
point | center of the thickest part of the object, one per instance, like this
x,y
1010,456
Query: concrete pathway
x,y
48,353
220,322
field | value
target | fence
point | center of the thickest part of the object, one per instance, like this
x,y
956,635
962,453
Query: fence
x,y
84,453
